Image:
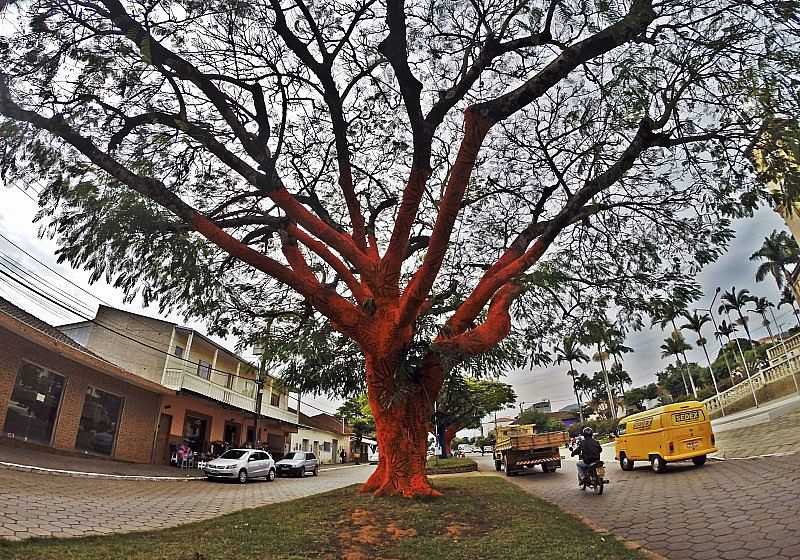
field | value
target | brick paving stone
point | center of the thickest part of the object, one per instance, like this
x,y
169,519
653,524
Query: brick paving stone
x,y
47,505
729,510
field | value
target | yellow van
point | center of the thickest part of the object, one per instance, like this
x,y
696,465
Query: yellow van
x,y
674,432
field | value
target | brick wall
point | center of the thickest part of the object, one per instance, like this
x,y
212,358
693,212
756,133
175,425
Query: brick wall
x,y
136,429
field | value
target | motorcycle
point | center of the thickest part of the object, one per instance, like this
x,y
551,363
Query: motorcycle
x,y
595,478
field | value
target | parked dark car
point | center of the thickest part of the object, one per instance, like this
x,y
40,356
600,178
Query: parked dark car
x,y
298,463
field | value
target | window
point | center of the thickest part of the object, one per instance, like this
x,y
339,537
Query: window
x,y
33,407
204,369
305,445
326,446
179,351
275,399
310,456
98,427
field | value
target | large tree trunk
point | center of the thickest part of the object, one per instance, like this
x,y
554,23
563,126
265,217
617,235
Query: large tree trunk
x,y
402,418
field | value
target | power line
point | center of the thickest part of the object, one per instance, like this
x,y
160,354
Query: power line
x,y
64,306
51,270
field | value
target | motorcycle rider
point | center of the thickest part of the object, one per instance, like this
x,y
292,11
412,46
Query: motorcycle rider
x,y
588,451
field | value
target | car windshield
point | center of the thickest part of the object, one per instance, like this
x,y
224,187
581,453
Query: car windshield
x,y
299,456
233,454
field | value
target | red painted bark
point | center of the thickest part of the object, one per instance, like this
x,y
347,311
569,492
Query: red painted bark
x,y
402,426
449,436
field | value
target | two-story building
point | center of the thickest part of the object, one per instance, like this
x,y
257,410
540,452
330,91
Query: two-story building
x,y
213,390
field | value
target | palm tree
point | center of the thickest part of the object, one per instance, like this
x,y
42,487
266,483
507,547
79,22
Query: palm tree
x,y
570,351
737,301
585,386
666,313
619,378
762,305
777,254
787,296
695,322
675,345
595,334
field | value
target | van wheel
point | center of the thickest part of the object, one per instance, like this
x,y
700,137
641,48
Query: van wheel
x,y
242,476
625,463
658,464
699,461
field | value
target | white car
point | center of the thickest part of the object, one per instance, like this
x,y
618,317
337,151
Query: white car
x,y
373,456
241,465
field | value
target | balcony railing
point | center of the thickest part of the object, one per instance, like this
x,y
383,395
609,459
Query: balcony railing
x,y
780,370
790,346
241,394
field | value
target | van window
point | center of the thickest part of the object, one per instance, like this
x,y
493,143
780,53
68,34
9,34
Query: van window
x,y
621,429
687,417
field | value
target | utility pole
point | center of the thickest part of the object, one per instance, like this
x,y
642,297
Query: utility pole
x,y
259,395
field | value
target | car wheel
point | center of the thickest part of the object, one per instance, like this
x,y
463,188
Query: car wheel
x,y
658,464
300,473
699,461
315,472
625,464
271,475
242,476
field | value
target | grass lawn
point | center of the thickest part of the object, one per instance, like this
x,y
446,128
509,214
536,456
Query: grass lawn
x,y
436,464
479,517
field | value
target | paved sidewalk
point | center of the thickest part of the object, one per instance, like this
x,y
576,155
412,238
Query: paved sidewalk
x,y
17,457
38,505
781,435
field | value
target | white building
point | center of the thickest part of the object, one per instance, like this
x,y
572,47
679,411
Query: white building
x,y
324,435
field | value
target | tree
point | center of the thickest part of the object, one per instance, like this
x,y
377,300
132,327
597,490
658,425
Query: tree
x,y
463,403
541,420
762,306
634,399
570,352
666,311
407,190
737,301
617,349
777,254
675,345
695,322
595,333
787,297
585,386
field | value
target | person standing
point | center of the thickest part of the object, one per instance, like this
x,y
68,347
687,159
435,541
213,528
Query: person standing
x,y
342,455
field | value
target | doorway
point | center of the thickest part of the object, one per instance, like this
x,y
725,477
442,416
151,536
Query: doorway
x,y
162,439
195,431
232,434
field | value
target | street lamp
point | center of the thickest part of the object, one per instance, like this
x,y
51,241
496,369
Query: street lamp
x,y
710,369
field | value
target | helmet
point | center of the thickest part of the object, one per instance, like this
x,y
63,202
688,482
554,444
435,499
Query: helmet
x,y
587,432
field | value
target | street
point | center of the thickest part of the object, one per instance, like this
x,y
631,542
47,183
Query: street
x,y
40,505
725,510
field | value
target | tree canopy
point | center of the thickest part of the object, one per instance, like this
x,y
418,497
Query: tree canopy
x,y
400,188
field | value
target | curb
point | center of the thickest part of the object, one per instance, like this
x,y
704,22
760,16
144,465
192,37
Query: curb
x,y
765,456
81,474
630,545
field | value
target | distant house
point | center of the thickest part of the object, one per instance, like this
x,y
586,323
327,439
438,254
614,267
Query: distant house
x,y
323,434
212,391
55,392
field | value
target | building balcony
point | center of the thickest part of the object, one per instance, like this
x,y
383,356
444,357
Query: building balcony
x,y
237,392
781,351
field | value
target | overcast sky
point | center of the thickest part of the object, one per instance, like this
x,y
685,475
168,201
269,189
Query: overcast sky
x,y
733,269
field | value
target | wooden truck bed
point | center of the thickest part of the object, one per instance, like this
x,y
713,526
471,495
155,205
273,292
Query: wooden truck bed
x,y
526,442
